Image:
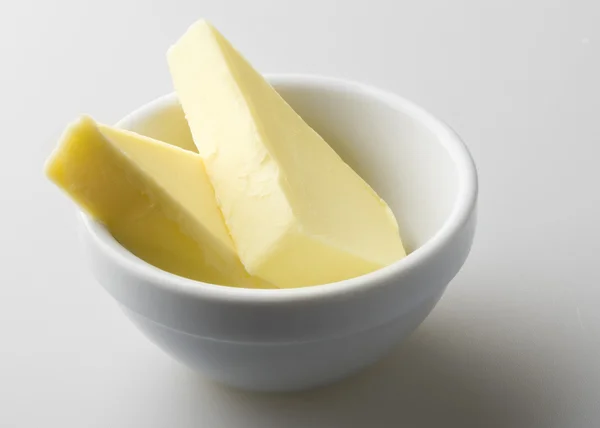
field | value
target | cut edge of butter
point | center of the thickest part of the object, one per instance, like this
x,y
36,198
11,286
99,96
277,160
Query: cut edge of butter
x,y
153,197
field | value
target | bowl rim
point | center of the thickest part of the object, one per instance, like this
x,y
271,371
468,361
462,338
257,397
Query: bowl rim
x,y
463,208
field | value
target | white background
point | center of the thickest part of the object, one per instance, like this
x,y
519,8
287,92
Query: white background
x,y
515,342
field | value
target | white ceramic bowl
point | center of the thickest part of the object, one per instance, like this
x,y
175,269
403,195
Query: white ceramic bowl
x,y
300,338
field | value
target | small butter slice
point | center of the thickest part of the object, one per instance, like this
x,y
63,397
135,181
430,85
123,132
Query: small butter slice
x,y
154,198
297,213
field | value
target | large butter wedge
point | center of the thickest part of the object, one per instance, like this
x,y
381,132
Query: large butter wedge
x,y
298,214
155,199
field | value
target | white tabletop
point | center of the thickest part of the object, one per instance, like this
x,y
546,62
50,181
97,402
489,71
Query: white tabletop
x,y
515,342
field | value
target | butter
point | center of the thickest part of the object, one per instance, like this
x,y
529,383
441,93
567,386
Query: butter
x,y
154,198
297,213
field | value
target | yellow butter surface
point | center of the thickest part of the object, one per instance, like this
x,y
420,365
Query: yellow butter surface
x,y
156,200
298,214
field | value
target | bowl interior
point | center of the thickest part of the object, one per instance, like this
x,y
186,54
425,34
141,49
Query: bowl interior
x,y
384,139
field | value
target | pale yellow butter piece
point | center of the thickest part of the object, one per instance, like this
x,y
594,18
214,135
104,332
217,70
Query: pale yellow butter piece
x,y
154,198
297,213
